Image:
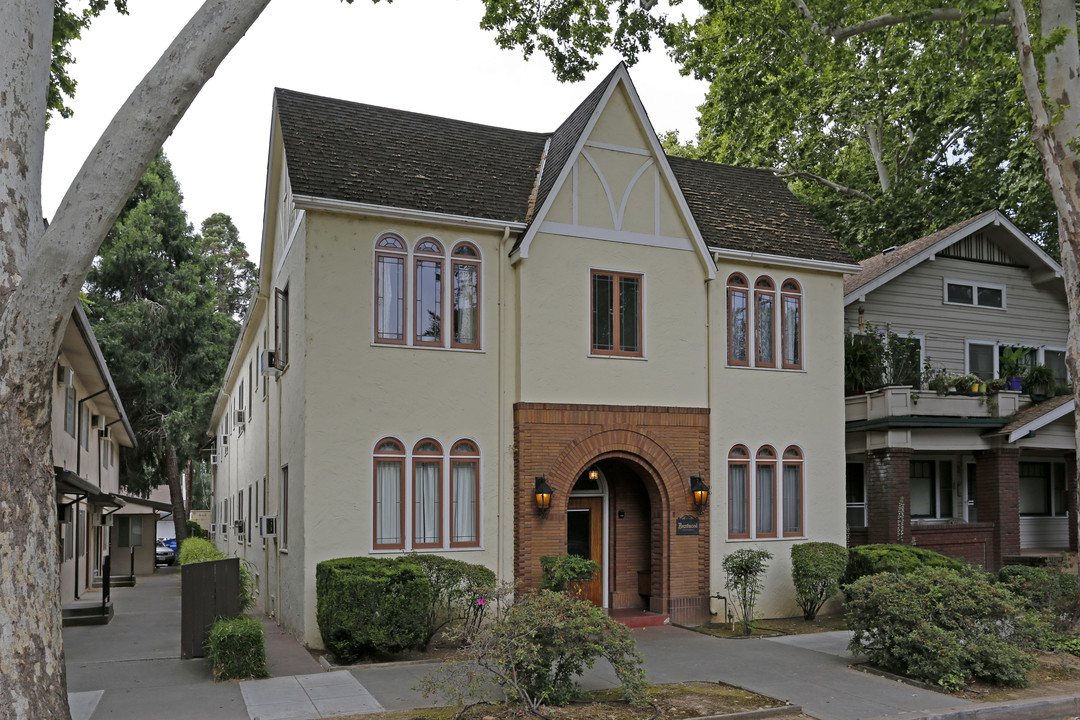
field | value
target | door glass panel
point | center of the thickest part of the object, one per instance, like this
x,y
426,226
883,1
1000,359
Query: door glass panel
x,y
577,534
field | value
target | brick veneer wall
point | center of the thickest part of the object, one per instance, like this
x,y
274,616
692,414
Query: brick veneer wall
x,y
888,495
971,542
666,445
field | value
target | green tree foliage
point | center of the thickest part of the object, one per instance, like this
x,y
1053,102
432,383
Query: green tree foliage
x,y
68,25
887,136
235,275
743,570
153,303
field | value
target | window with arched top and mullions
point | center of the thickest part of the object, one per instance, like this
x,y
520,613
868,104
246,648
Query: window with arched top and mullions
x,y
416,479
417,308
757,321
776,500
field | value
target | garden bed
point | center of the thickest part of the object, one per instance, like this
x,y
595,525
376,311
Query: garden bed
x,y
777,626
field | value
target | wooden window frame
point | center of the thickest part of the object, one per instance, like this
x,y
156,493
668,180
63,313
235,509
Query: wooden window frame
x,y
398,457
616,339
465,457
785,295
734,289
474,261
743,459
398,251
766,455
436,458
793,456
759,292
439,257
281,327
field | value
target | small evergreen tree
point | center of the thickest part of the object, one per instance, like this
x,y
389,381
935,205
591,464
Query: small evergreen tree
x,y
743,570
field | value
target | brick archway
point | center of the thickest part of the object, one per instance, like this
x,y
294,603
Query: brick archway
x,y
662,447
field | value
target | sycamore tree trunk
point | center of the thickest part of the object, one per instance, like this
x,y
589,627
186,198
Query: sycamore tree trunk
x,y
41,272
176,495
1057,90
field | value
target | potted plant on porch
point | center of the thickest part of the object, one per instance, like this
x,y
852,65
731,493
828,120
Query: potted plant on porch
x,y
1011,366
1039,382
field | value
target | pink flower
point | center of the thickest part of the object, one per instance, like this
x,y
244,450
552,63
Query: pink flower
x,y
481,601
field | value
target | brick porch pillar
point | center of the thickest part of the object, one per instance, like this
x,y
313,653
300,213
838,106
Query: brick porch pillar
x,y
888,495
997,500
1070,498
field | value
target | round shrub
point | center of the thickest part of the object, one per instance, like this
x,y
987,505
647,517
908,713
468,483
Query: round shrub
x,y
943,627
866,560
1046,589
816,569
236,649
371,605
459,594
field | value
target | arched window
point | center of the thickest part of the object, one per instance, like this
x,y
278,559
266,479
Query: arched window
x,y
465,273
464,494
390,256
428,287
764,322
738,320
765,489
739,492
791,324
389,477
427,494
793,492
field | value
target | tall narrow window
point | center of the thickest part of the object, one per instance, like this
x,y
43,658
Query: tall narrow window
x,y
250,506
427,494
251,378
616,313
765,489
84,427
69,409
793,492
465,271
427,285
464,495
738,322
791,320
390,290
764,322
739,492
281,328
389,495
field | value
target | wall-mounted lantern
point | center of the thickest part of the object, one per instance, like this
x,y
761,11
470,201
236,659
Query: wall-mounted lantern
x,y
543,495
700,492
594,474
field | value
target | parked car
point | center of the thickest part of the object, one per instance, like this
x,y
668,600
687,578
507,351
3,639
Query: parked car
x,y
165,554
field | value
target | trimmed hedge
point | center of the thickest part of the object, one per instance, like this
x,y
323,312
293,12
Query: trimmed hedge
x,y
866,560
459,594
236,649
816,569
944,627
366,605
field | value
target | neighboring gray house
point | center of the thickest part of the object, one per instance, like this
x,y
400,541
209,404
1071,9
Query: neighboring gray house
x,y
982,478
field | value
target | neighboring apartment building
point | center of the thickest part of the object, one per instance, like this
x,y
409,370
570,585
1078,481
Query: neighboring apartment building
x,y
453,317
89,427
983,479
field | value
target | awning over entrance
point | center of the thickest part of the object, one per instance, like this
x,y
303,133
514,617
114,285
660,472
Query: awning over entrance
x,y
69,483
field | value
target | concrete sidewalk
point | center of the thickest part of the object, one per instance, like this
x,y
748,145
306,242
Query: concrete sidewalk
x,y
131,669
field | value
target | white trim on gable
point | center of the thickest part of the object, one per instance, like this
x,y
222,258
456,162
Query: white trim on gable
x,y
621,75
740,256
994,218
622,236
309,202
617,148
1063,410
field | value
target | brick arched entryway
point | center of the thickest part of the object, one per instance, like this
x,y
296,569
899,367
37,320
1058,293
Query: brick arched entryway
x,y
651,452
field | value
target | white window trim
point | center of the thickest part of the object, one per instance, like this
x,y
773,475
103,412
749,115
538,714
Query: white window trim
x,y
1053,463
974,285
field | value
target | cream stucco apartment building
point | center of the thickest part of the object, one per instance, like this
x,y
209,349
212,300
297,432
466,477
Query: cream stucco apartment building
x,y
89,427
451,316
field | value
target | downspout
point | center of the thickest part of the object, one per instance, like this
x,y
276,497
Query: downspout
x,y
501,409
78,432
78,471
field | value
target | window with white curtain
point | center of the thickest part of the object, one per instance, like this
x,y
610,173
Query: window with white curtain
x,y
389,495
775,494
427,494
464,491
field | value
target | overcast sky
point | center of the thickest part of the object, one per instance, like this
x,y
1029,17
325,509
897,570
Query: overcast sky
x,y
423,55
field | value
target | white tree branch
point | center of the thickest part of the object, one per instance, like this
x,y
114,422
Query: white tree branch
x,y
841,33
853,192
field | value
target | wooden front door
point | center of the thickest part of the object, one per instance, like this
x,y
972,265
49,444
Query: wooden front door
x,y
585,538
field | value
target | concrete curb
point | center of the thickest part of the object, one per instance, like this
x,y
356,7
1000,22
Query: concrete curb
x,y
1058,706
751,714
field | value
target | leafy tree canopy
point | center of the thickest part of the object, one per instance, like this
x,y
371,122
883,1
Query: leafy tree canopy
x,y
887,135
154,304
68,25
235,275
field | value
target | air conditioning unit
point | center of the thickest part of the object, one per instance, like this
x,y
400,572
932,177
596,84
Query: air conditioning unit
x,y
96,518
269,368
107,520
105,433
213,529
240,417
97,421
213,459
65,376
268,526
224,439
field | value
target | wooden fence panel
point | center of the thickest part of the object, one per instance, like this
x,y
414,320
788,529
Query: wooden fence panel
x,y
208,591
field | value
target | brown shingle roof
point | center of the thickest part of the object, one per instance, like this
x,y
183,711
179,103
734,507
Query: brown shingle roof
x,y
1032,413
878,265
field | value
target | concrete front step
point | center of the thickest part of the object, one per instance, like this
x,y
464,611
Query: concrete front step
x,y
640,618
115,581
88,612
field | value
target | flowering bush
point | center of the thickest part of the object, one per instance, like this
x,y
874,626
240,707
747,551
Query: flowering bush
x,y
459,592
536,651
944,627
